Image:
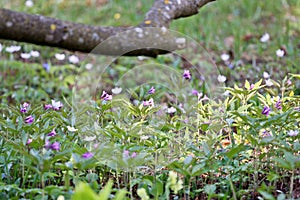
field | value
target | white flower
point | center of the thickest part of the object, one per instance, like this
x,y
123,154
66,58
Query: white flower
x,y
144,137
171,110
221,78
1,47
71,128
35,53
73,59
293,132
116,90
226,93
89,139
269,82
28,3
280,53
265,37
89,66
225,57
59,56
56,104
25,55
13,49
266,75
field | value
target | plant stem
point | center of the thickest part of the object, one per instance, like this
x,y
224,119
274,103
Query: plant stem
x,y
292,185
232,188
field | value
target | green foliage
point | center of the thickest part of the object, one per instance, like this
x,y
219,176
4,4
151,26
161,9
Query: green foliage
x,y
215,149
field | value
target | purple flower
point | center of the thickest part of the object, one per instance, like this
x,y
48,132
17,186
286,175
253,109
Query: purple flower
x,y
87,155
278,105
46,66
56,105
24,107
266,111
252,86
195,92
55,146
126,153
48,106
23,110
105,96
150,102
47,144
187,75
205,98
96,145
52,133
266,133
151,91
29,119
28,141
133,155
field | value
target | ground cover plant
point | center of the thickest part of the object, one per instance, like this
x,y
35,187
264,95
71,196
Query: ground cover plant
x,y
155,128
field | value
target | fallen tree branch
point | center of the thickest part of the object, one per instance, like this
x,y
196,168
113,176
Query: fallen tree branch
x,y
132,41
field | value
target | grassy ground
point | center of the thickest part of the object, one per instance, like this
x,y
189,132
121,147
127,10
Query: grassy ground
x,y
222,26
233,162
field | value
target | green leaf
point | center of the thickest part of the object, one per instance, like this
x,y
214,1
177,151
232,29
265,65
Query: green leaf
x,y
281,197
295,76
120,195
83,191
235,151
210,189
105,192
266,195
247,85
283,163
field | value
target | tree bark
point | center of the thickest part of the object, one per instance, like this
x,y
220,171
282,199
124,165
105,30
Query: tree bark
x,y
149,38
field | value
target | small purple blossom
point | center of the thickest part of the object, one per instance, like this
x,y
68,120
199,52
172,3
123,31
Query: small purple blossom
x,y
46,66
195,92
266,111
126,153
278,105
24,107
150,102
152,90
105,96
55,146
47,144
266,133
52,133
56,105
252,86
87,155
48,106
29,119
133,155
96,146
28,141
23,110
205,98
187,75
